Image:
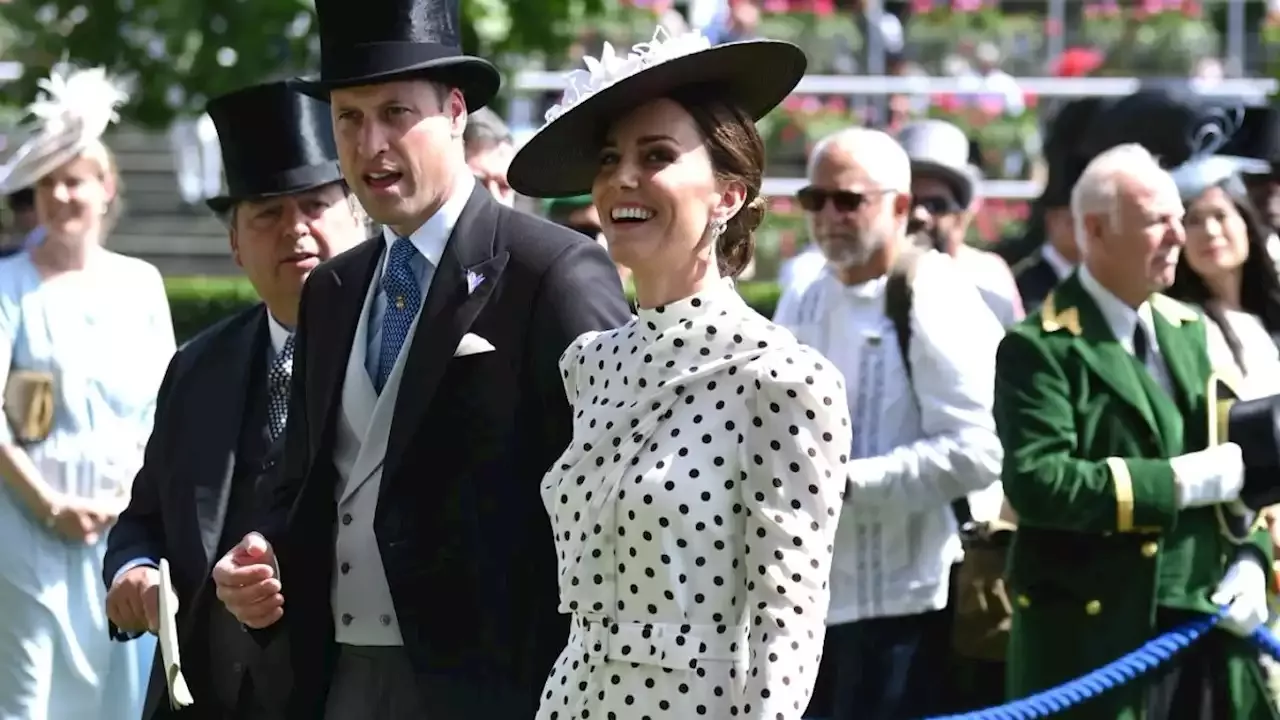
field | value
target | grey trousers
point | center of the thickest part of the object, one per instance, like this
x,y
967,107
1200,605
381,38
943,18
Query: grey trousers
x,y
373,683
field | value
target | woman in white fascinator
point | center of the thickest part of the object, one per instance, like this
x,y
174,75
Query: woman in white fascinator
x,y
695,510
85,336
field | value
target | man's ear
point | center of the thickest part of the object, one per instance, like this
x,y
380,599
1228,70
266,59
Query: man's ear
x,y
233,238
456,106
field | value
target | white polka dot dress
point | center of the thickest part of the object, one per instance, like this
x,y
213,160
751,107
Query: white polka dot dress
x,y
694,516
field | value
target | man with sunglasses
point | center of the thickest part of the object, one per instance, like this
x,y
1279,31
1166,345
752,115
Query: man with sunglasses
x,y
945,198
924,432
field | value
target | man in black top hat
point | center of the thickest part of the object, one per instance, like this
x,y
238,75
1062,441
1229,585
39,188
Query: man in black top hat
x,y
1039,273
428,403
223,404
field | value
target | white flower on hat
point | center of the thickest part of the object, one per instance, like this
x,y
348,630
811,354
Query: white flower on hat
x,y
73,110
612,67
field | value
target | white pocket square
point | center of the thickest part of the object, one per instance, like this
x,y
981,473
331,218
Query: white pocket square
x,y
472,344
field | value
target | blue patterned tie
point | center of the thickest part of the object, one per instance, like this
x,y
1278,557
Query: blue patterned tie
x,y
403,297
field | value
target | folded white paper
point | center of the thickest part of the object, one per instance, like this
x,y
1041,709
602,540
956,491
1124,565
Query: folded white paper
x,y
179,693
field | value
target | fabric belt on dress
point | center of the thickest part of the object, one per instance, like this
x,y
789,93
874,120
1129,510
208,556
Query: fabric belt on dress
x,y
667,645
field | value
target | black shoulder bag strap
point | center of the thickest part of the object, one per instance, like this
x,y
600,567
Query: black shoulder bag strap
x,y
898,295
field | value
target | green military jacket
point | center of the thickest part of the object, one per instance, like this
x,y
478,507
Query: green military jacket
x,y
1087,435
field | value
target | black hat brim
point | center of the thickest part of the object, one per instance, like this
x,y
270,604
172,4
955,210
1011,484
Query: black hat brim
x,y
561,159
477,78
294,181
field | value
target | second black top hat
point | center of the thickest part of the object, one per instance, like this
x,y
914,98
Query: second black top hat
x,y
275,141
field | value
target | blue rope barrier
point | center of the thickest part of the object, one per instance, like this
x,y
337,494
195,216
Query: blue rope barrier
x,y
1152,654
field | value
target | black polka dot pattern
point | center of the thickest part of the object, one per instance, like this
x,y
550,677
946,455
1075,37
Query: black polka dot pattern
x,y
694,516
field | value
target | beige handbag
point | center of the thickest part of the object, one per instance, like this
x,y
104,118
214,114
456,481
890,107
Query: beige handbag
x,y
28,405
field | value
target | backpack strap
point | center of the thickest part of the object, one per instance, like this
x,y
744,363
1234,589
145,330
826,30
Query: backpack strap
x,y
898,296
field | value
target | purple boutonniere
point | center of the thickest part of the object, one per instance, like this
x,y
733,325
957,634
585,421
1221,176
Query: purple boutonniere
x,y
473,281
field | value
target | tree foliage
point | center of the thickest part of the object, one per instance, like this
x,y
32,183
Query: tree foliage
x,y
179,53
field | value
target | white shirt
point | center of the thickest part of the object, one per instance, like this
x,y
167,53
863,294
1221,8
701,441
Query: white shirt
x,y
1059,264
1122,320
278,333
1261,370
897,537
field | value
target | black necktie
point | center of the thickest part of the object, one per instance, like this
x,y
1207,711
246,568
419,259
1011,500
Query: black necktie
x,y
1140,347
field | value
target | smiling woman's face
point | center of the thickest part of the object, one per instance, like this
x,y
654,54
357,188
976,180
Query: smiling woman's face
x,y
1217,239
656,188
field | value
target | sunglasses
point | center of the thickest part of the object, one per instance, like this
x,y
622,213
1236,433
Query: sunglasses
x,y
936,205
814,199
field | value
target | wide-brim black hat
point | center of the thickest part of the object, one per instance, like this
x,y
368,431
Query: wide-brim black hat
x,y
1254,425
561,159
275,141
1174,124
387,40
1258,138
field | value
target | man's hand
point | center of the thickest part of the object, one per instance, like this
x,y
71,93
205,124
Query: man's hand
x,y
247,584
1244,591
133,603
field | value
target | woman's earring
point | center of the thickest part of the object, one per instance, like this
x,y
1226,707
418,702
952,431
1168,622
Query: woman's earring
x,y
717,229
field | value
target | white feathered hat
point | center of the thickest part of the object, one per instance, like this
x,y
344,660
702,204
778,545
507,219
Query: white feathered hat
x,y
73,110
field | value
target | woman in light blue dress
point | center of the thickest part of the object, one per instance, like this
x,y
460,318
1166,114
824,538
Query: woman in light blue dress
x,y
99,324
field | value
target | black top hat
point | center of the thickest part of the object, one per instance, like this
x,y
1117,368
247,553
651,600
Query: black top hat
x,y
1173,123
1063,148
275,141
1254,425
364,43
561,160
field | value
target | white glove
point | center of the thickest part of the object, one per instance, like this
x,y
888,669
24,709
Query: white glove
x,y
1209,477
1244,591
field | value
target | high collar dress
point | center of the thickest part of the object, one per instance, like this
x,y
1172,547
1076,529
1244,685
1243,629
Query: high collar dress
x,y
694,515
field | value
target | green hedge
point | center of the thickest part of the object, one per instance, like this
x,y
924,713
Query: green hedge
x,y
198,302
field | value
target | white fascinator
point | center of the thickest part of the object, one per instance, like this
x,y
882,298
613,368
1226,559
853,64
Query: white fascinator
x,y
561,159
74,108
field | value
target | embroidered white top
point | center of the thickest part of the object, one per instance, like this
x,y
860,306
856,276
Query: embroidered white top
x,y
694,515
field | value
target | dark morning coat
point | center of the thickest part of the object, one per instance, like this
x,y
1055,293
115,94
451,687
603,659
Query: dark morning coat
x,y
465,541
1087,435
182,493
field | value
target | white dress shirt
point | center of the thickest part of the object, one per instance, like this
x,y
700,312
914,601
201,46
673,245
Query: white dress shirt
x,y
897,537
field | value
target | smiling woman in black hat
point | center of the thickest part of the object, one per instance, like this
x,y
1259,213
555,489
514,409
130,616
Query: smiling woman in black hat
x,y
695,510
415,574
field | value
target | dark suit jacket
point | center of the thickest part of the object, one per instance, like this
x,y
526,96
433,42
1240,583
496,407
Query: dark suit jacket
x,y
1036,279
464,538
180,496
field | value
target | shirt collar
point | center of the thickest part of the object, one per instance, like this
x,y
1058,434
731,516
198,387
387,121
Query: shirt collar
x,y
1121,318
279,334
1060,265
432,236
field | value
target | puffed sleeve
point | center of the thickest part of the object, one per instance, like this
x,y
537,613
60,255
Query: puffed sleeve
x,y
794,476
572,359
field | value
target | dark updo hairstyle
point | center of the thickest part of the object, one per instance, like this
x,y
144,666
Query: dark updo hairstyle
x,y
737,155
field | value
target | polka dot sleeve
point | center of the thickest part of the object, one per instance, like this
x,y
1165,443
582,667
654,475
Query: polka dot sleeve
x,y
570,360
793,458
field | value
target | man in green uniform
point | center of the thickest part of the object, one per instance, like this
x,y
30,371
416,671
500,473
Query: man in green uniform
x,y
1125,513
